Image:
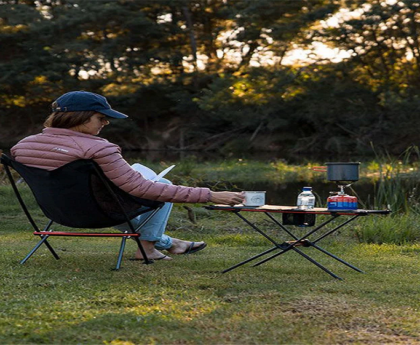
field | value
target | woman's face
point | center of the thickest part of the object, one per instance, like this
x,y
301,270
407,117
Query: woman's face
x,y
94,126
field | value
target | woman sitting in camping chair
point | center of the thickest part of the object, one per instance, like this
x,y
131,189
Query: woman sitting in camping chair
x,y
71,134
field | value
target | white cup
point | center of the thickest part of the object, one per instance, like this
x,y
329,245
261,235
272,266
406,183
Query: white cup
x,y
254,198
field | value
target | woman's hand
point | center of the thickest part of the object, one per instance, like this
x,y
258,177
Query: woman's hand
x,y
227,198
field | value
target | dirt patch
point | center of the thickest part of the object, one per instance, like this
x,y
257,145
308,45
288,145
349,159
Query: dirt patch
x,y
353,323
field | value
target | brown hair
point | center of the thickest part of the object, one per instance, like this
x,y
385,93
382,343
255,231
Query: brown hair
x,y
68,119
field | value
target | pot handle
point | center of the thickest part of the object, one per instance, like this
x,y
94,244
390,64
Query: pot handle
x,y
319,168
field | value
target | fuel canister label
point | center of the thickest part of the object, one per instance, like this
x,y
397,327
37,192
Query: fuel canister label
x,y
342,202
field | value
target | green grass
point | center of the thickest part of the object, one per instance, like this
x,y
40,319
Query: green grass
x,y
80,300
399,229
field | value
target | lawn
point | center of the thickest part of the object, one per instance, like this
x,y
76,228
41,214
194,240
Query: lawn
x,y
80,300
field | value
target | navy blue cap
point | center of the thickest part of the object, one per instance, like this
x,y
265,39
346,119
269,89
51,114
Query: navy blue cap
x,y
85,101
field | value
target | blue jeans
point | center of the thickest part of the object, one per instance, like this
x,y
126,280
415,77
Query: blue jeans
x,y
154,230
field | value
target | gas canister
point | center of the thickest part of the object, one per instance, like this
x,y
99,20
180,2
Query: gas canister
x,y
342,202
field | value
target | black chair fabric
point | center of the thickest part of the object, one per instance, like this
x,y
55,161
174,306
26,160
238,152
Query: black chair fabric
x,y
76,196
79,195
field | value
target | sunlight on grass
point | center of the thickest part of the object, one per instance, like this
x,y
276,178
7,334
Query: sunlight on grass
x,y
182,308
119,342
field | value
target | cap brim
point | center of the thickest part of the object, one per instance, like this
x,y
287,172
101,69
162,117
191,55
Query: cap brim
x,y
113,113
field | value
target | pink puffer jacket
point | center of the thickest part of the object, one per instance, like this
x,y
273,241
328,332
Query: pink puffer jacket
x,y
55,147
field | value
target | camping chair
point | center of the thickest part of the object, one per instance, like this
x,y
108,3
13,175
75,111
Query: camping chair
x,y
79,195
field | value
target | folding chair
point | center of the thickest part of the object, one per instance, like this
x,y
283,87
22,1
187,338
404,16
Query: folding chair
x,y
79,195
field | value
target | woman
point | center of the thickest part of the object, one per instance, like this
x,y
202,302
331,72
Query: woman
x,y
70,134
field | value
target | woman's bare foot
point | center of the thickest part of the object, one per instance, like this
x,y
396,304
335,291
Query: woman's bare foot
x,y
151,252
185,247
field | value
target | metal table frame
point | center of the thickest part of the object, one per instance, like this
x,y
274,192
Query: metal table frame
x,y
303,241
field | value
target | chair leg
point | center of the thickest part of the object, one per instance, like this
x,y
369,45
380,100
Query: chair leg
x,y
51,250
47,227
43,240
147,261
120,254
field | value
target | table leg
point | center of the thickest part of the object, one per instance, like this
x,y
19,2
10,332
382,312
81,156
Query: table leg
x,y
284,248
313,244
248,260
256,228
276,245
336,258
315,263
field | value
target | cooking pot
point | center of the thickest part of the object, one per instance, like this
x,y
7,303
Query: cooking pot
x,y
343,172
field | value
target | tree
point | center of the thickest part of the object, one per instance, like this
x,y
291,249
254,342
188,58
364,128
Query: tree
x,y
383,38
211,74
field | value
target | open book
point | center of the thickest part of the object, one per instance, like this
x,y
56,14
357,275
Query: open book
x,y
148,173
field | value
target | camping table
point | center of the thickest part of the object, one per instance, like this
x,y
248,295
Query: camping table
x,y
297,242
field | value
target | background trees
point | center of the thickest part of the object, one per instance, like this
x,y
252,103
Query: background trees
x,y
214,74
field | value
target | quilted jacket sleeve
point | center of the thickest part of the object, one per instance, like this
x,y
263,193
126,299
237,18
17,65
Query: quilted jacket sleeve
x,y
121,174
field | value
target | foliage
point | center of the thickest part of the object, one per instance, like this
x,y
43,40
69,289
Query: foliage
x,y
382,39
398,182
211,75
402,230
